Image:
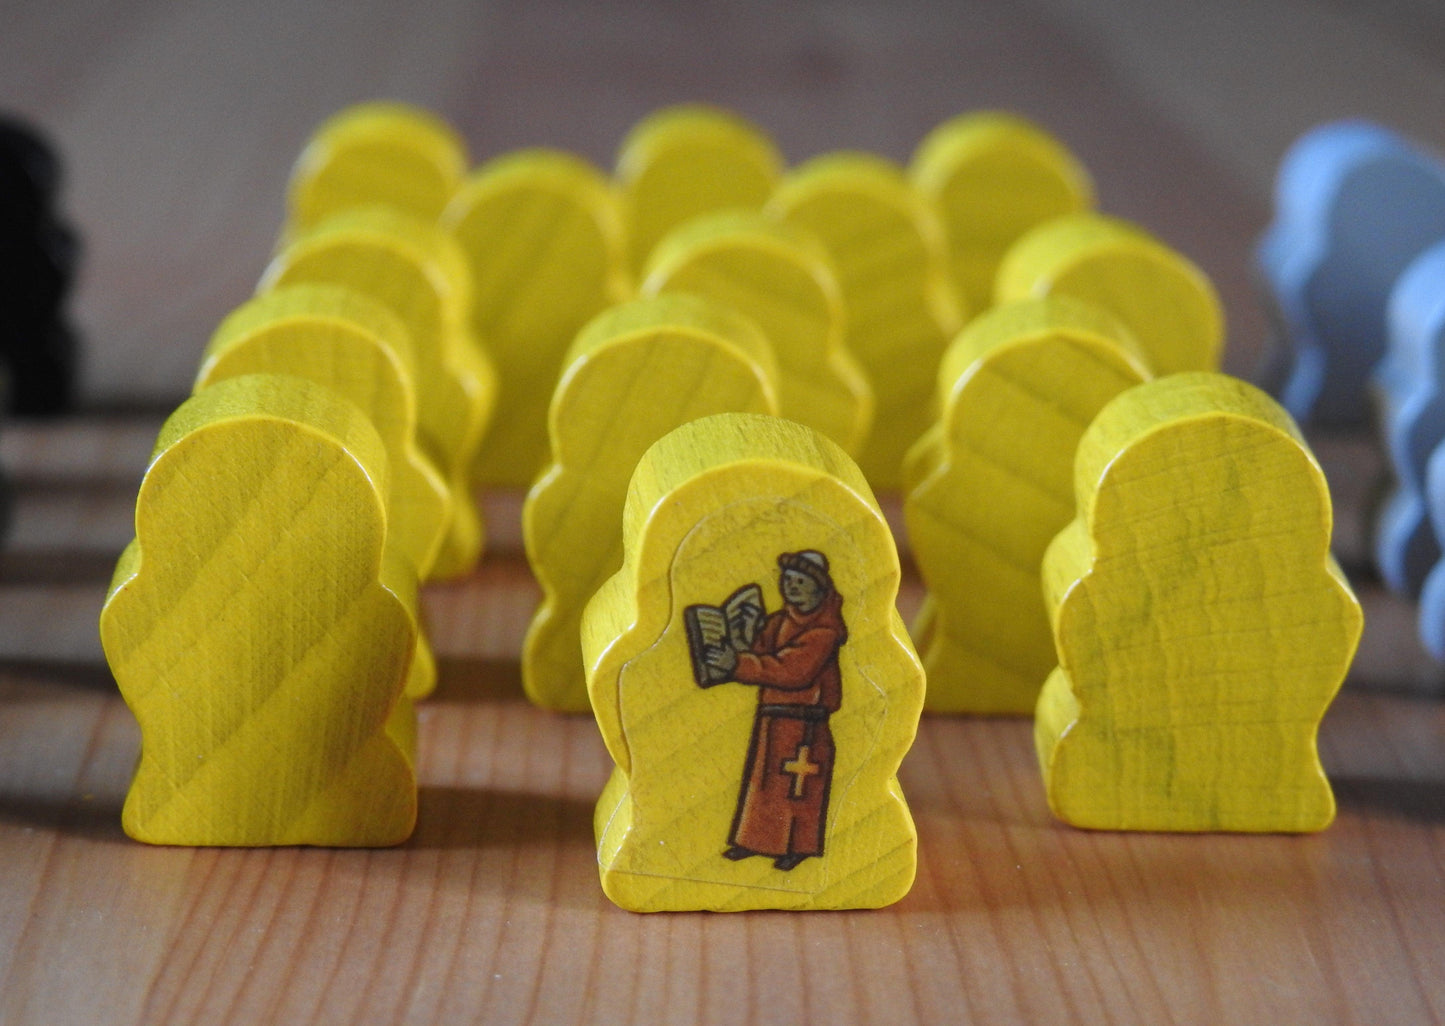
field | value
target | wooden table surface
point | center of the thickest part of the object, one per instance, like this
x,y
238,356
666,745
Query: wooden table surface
x,y
178,122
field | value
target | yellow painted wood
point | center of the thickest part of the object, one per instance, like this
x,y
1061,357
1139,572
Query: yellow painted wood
x,y
716,505
993,176
382,152
679,162
634,373
1167,303
994,485
260,627
781,277
356,347
419,273
889,251
1201,624
544,241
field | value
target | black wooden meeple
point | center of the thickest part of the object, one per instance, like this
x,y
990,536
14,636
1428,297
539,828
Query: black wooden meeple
x,y
38,256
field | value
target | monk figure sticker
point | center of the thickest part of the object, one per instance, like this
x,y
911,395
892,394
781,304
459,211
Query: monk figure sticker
x,y
791,657
752,680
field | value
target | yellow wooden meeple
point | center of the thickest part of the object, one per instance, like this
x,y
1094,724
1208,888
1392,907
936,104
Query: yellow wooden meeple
x,y
358,349
419,273
683,161
377,153
993,484
1201,624
636,372
1168,304
888,249
993,176
780,276
752,679
546,251
261,627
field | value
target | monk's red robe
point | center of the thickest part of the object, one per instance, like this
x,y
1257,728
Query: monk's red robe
x,y
783,804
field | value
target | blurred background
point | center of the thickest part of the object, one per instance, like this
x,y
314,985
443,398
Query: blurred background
x,y
177,121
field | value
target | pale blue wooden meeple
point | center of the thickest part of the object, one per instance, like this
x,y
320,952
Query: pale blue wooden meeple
x,y
1411,389
1432,594
1354,204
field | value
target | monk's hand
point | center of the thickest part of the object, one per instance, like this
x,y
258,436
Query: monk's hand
x,y
721,657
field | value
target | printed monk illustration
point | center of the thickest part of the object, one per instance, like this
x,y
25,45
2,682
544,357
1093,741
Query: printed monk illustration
x,y
791,656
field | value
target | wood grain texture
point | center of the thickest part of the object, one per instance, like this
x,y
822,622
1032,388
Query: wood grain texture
x,y
992,176
545,244
636,372
179,123
420,274
782,278
1167,303
993,483
888,248
495,900
358,349
802,760
1202,627
261,629
684,161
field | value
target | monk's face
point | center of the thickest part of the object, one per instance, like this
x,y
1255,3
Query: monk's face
x,y
801,591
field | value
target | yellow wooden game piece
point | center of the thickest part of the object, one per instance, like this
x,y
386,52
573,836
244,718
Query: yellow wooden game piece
x,y
993,176
1166,302
357,348
888,249
781,794
388,153
260,627
546,250
419,273
781,277
1202,626
995,484
683,161
634,373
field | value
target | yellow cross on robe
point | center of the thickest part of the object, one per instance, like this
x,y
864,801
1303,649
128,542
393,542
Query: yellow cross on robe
x,y
801,769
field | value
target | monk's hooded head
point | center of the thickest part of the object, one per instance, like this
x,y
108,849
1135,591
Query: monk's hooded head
x,y
805,581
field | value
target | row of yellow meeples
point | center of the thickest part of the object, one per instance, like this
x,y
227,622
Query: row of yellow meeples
x,y
702,365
